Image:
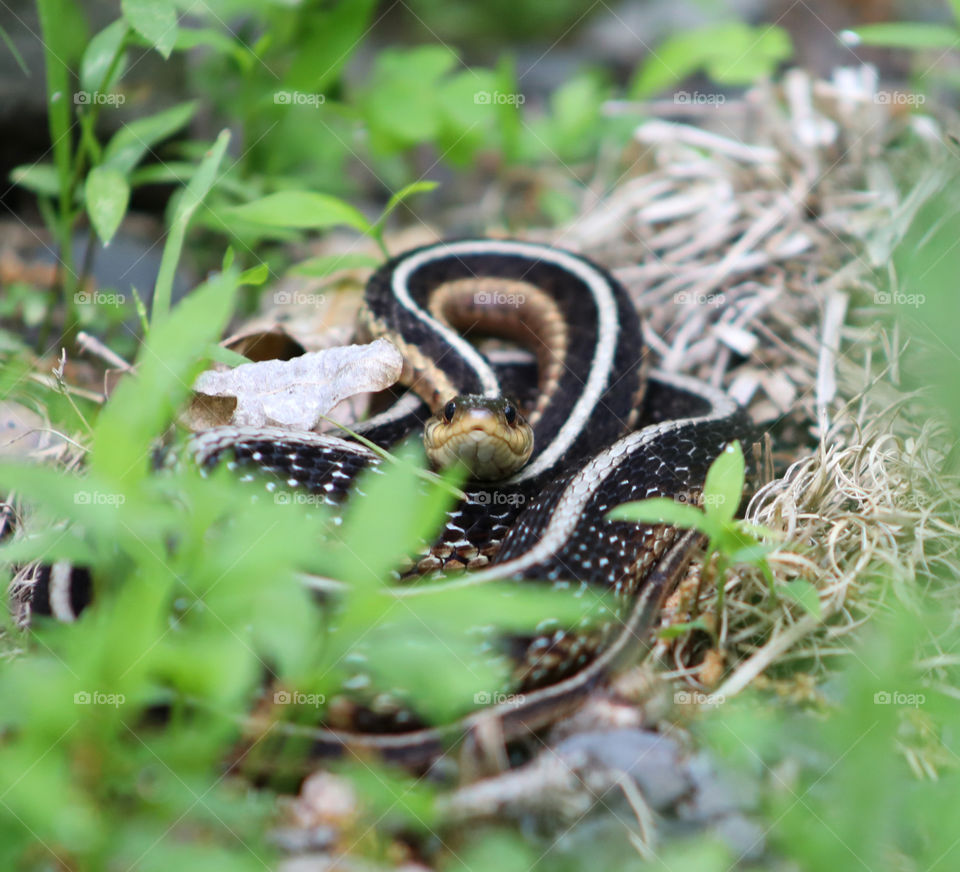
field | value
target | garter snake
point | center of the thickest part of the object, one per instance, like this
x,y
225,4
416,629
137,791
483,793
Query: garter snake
x,y
606,430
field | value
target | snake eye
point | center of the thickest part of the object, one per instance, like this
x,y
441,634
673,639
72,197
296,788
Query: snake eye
x,y
510,413
449,410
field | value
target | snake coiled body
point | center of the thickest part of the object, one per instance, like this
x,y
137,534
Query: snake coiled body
x,y
607,430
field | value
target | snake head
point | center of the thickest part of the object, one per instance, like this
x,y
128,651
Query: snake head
x,y
488,435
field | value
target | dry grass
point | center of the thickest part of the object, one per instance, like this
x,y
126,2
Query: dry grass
x,y
753,240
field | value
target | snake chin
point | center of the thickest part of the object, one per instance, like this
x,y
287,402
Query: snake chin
x,y
487,435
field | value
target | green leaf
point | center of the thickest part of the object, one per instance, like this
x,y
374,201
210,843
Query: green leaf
x,y
675,630
107,194
723,488
166,366
301,210
65,31
200,185
661,510
403,194
99,56
154,20
907,34
324,265
14,51
254,276
41,178
129,144
805,595
732,53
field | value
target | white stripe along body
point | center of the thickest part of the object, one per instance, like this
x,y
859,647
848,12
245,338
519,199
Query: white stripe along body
x,y
551,515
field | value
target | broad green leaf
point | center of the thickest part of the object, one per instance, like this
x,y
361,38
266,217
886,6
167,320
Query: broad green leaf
x,y
732,53
324,265
751,54
301,210
107,194
332,32
99,56
154,20
226,355
41,178
198,188
169,172
166,365
908,34
417,509
401,100
723,488
191,37
661,510
403,194
254,276
804,594
129,144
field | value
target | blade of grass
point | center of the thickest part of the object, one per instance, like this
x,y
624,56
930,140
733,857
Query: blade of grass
x,y
198,188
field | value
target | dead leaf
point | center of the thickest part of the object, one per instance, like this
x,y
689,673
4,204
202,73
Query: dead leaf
x,y
295,393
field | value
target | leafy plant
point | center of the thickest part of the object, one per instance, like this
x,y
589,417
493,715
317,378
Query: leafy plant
x,y
729,541
730,53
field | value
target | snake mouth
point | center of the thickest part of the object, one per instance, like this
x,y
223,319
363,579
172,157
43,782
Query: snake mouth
x,y
487,435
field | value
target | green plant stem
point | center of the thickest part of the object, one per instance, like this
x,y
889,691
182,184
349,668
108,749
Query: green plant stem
x,y
58,110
